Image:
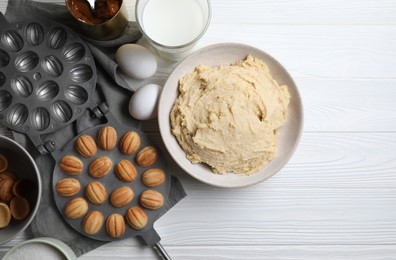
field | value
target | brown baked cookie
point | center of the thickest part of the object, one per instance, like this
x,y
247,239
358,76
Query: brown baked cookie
x,y
147,156
121,196
115,225
5,215
100,167
6,185
76,208
129,142
86,146
96,192
93,222
24,188
153,177
67,187
136,218
151,199
7,175
3,163
20,208
126,171
71,164
107,138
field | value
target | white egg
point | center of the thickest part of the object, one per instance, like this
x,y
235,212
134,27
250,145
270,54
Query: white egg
x,y
136,61
143,103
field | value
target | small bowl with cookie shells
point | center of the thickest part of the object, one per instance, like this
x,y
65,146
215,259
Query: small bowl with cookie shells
x,y
20,189
110,182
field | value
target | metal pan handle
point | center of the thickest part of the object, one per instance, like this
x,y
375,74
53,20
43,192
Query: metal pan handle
x,y
161,251
152,239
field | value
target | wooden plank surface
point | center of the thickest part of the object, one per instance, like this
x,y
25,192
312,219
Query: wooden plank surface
x,y
328,51
255,252
302,12
336,198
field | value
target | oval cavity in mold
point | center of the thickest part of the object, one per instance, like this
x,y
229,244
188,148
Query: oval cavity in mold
x,y
34,34
61,111
40,119
81,73
76,94
18,115
5,100
52,66
4,58
74,52
12,41
48,90
21,86
27,61
57,38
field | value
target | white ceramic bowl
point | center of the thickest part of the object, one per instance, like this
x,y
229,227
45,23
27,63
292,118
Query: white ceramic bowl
x,y
225,54
23,166
56,247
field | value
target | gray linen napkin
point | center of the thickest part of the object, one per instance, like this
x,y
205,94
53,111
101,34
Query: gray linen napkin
x,y
48,221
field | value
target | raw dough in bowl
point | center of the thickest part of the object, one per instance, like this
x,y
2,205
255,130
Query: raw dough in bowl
x,y
228,116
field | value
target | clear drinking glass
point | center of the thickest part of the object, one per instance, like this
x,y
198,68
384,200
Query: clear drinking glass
x,y
173,27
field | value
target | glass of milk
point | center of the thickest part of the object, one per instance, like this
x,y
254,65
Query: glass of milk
x,y
173,27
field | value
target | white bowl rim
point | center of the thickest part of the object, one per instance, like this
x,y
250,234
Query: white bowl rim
x,y
57,244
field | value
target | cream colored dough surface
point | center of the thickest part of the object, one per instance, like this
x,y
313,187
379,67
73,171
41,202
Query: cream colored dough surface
x,y
228,116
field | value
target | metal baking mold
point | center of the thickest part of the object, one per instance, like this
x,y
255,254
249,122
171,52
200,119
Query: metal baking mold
x,y
47,77
111,182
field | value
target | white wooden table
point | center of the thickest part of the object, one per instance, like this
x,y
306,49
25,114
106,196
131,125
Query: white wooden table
x,y
336,198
